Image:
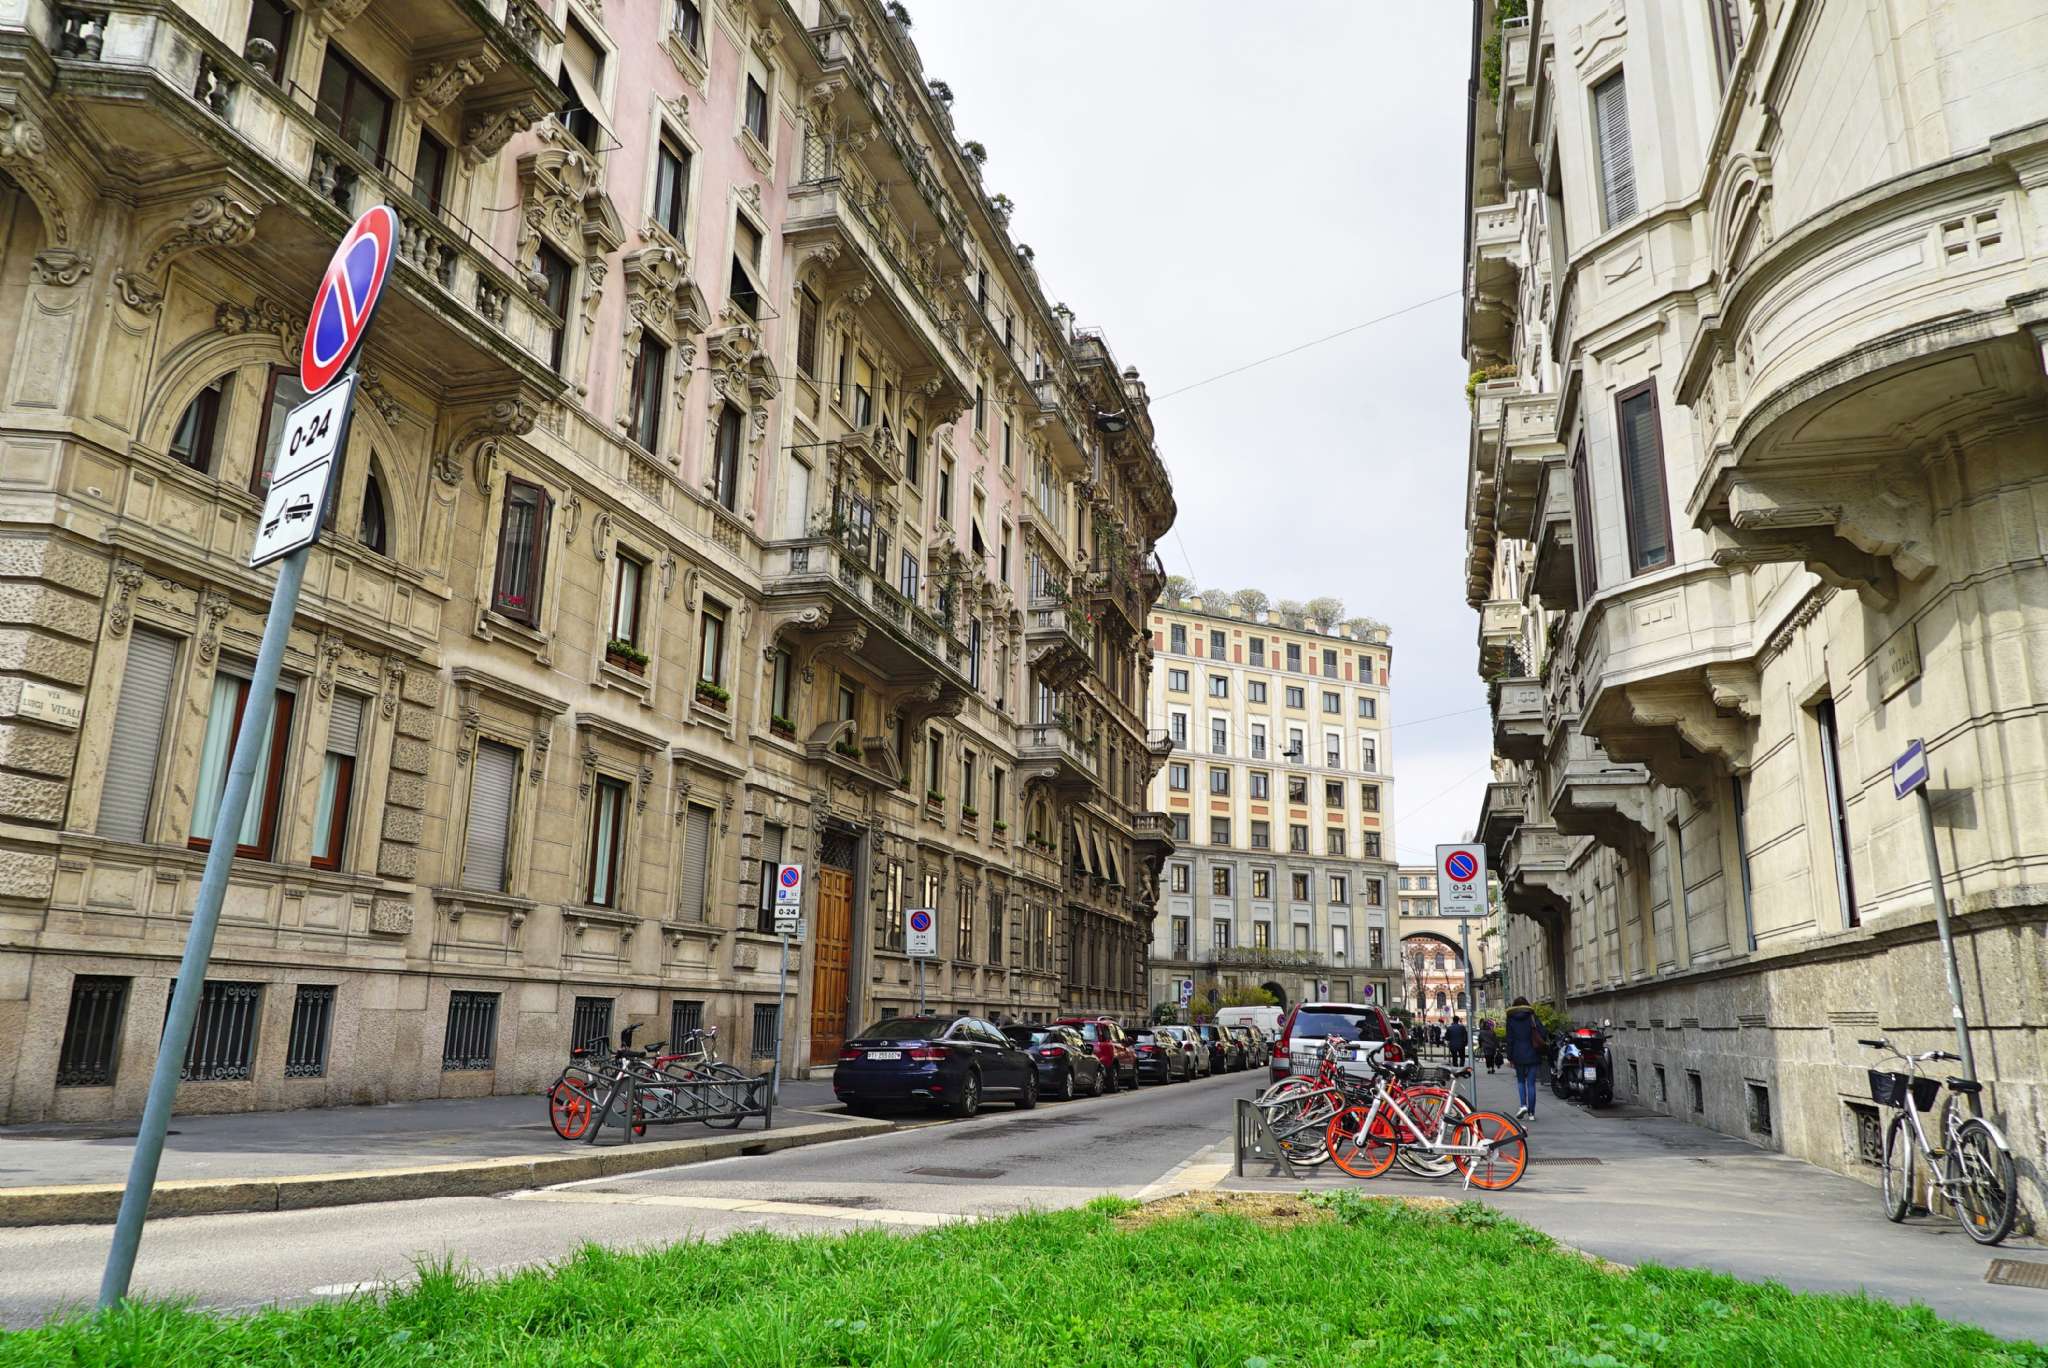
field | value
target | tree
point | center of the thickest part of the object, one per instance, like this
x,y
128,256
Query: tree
x,y
1364,626
1416,951
1215,600
1165,1012
1291,612
1326,610
1176,590
1247,997
1251,602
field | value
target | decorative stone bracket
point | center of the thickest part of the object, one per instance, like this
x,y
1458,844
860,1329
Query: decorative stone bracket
x,y
1862,531
1687,728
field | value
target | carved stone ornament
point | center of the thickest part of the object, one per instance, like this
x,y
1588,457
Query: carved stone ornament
x,y
438,84
127,579
332,16
330,652
262,316
479,439
484,135
751,193
589,772
601,535
59,266
215,608
23,152
472,722
562,200
372,388
137,292
542,740
394,680
216,220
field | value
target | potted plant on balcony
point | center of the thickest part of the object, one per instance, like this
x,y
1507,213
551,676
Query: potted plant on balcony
x,y
713,695
999,826
968,814
624,654
847,747
941,91
782,726
897,11
934,798
975,153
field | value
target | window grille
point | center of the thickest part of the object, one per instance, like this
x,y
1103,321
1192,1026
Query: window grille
x,y
223,1044
92,1032
592,1022
312,1023
684,1017
767,1030
472,1039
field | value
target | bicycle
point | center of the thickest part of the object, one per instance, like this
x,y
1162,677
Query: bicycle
x,y
1976,1177
1299,1109
1490,1150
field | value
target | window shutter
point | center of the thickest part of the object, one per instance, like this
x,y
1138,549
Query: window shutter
x,y
696,859
1584,552
1642,469
138,735
1617,158
490,817
345,727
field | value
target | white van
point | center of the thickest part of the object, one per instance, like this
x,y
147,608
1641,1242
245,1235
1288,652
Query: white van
x,y
1266,1019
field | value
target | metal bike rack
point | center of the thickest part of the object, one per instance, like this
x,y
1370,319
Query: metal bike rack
x,y
669,1102
1254,1139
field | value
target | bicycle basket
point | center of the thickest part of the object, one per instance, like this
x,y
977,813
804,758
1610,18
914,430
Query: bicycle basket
x,y
1432,1075
1888,1089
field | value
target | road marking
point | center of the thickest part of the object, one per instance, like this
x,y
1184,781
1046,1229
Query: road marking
x,y
1189,1175
754,1205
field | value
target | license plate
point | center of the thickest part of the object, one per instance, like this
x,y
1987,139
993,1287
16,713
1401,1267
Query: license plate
x,y
885,1054
1591,1074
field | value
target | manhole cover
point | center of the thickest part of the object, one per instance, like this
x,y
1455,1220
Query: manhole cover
x,y
959,1172
2018,1273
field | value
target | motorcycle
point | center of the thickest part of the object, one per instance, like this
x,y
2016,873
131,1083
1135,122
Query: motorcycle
x,y
1583,1067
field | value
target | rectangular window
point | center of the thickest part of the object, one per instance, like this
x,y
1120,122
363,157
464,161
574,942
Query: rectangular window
x,y
1006,444
1368,754
728,456
590,1022
1219,879
1727,21
1584,551
1297,786
1369,797
671,196
1219,934
696,870
556,272
980,408
429,172
757,110
807,332
471,1041
305,1053
908,582
1371,849
1297,838
351,104
1262,835
1298,885
1219,831
223,1044
711,653
285,395
1340,941
135,749
687,24
1217,648
1616,157
1333,751
522,552
1262,935
968,791
934,765
945,496
92,1032
1372,892
1376,946
685,1019
963,922
1177,879
258,836
910,457
1333,794
1642,478
1219,686
1340,889
1177,777
1838,809
781,700
1262,784
1176,681
769,860
1183,933
1177,636
1219,736
1333,841
1329,664
487,844
1256,690
1294,662
607,831
1332,703
1297,698
995,926
767,1030
1219,781
1258,741
643,420
974,653
1177,727
337,781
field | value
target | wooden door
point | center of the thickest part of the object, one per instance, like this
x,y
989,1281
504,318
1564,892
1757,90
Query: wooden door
x,y
831,946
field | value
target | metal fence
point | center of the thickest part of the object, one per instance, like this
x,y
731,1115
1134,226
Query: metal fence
x,y
472,1039
92,1032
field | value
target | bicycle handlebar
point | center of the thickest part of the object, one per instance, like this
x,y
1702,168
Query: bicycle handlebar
x,y
1876,1044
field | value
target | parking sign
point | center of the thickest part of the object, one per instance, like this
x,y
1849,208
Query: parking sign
x,y
1461,880
921,939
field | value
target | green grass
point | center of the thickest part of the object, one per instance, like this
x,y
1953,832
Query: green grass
x,y
1380,1284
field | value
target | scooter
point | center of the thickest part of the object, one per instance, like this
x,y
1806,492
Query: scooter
x,y
1583,1068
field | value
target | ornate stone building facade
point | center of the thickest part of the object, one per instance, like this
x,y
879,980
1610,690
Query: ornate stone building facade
x,y
1757,306
1279,789
723,489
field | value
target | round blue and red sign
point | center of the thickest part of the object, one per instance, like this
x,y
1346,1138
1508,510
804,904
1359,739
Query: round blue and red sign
x,y
920,921
347,297
791,876
1461,867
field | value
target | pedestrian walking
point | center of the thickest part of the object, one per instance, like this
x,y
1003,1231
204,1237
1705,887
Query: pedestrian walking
x,y
1454,1041
1526,1042
1489,1044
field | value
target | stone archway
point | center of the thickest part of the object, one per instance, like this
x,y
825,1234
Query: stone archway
x,y
1279,993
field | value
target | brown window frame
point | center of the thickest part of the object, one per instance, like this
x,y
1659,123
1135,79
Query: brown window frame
x,y
629,621
671,211
560,274
259,484
208,402
431,201
337,822
1636,562
726,459
643,417
807,309
612,857
355,78
713,612
754,109
536,562
273,782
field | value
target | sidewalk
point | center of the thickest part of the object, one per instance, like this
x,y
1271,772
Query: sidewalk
x,y
340,1155
1640,1187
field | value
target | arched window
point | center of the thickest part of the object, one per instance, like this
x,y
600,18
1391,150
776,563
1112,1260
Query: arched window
x,y
1439,964
370,531
1441,1001
192,440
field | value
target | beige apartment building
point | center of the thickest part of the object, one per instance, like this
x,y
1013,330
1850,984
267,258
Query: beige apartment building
x,y
1279,790
724,488
1757,315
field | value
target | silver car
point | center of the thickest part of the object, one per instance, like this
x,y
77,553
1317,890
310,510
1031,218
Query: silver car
x,y
1191,1045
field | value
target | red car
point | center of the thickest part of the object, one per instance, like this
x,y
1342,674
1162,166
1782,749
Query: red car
x,y
1112,1046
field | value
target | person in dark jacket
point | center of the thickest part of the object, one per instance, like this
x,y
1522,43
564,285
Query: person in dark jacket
x,y
1489,1044
1526,1043
1455,1037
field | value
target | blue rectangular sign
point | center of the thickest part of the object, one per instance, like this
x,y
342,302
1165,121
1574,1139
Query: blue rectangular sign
x,y
1909,771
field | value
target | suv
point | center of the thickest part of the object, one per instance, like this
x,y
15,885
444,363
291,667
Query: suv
x,y
1111,1045
1307,1026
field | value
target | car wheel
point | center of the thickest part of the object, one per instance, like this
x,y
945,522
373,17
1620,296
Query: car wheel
x,y
1030,1097
1110,1080
1095,1088
1067,1085
969,1100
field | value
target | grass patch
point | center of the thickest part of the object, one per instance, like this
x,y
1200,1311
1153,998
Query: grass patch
x,y
1271,1283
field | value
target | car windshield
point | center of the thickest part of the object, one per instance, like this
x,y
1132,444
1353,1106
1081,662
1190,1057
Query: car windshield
x,y
906,1028
1339,1025
1029,1035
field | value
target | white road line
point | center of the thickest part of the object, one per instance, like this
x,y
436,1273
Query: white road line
x,y
1189,1174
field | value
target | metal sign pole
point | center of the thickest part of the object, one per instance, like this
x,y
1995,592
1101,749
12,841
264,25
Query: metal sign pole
x,y
1471,1034
781,1011
920,985
1948,944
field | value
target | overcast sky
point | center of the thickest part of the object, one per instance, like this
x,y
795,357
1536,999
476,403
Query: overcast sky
x,y
1212,183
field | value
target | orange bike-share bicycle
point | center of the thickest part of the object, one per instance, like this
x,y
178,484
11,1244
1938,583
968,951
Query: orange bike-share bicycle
x,y
1490,1150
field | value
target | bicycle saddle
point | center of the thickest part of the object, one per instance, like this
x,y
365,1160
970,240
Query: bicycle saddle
x,y
1967,1086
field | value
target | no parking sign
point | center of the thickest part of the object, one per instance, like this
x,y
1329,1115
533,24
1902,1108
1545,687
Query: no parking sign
x,y
922,939
1461,880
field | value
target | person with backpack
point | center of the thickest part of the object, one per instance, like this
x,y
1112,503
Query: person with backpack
x,y
1526,1043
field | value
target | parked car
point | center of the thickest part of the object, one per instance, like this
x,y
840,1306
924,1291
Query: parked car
x,y
941,1061
1309,1024
1160,1057
1193,1047
1256,1051
1111,1045
1226,1051
1067,1066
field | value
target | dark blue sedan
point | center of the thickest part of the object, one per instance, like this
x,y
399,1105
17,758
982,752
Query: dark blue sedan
x,y
1067,1066
950,1062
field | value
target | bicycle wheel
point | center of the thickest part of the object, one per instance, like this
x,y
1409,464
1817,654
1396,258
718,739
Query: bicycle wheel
x,y
1300,1125
1284,1089
1427,1106
1360,1150
1507,1156
1981,1182
569,1109
1896,1190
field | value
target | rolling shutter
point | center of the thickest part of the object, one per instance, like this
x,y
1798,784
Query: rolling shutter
x,y
1642,469
138,736
696,862
484,866
1617,157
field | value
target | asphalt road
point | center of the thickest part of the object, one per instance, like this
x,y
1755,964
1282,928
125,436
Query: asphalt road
x,y
1061,1154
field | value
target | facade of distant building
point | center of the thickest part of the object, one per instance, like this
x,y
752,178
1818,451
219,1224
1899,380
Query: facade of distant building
x,y
1279,787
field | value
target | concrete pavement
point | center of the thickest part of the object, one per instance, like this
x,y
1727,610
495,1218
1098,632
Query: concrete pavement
x,y
1640,1187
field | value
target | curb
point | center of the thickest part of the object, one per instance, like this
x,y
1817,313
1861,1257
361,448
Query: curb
x,y
97,1203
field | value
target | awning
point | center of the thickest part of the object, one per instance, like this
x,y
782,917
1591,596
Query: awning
x,y
1101,864
1081,848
